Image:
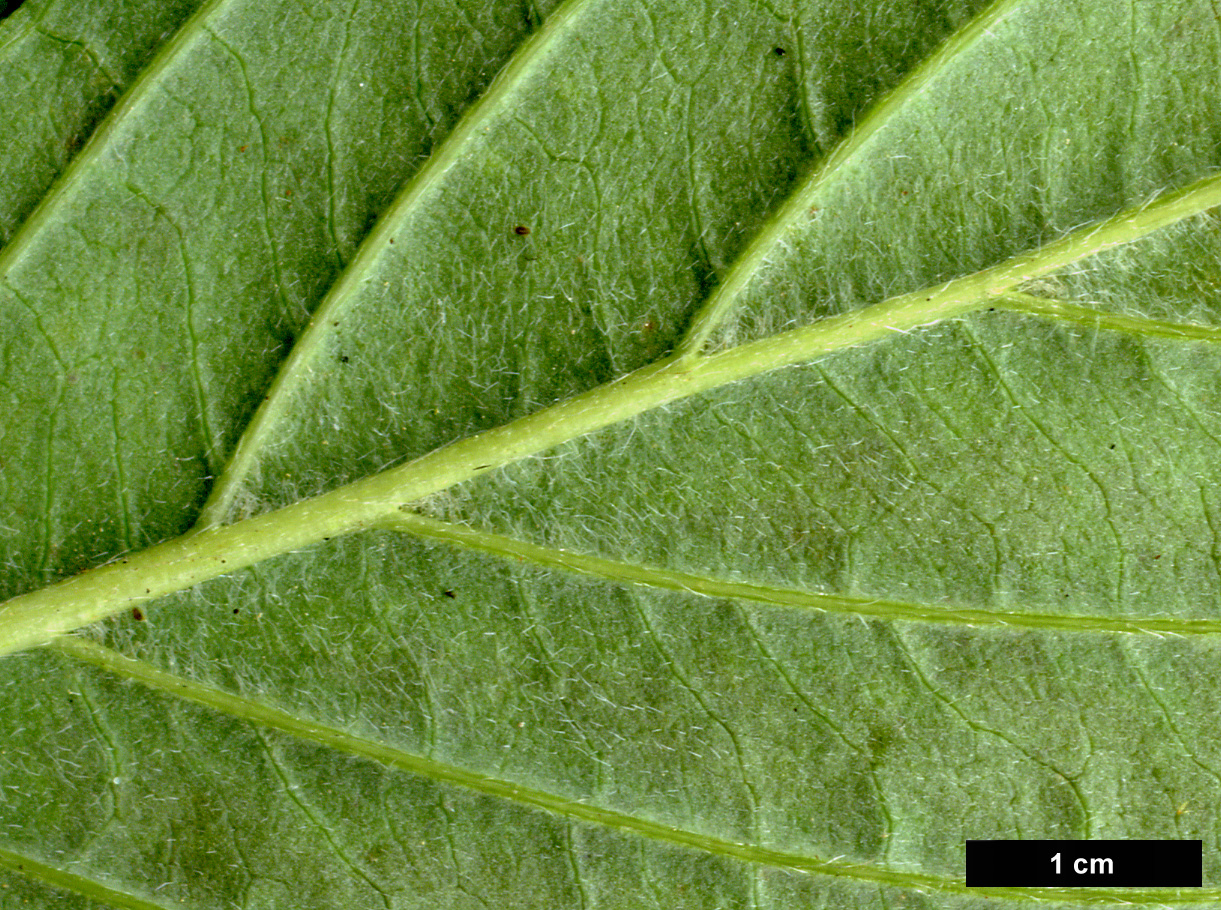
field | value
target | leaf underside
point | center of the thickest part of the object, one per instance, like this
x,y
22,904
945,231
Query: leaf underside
x,y
786,642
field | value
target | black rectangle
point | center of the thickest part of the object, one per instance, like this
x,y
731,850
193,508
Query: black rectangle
x,y
1085,863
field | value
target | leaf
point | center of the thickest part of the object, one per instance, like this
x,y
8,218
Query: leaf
x,y
604,455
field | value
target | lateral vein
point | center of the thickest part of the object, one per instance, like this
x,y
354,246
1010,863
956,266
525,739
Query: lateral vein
x,y
311,731
64,880
200,555
312,341
794,211
99,143
1075,313
704,586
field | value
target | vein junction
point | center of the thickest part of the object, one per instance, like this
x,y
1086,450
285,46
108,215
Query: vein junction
x,y
40,616
380,501
550,558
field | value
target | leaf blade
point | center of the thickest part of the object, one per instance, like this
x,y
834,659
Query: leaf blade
x,y
956,466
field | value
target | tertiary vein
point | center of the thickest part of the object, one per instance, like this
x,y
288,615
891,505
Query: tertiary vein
x,y
579,810
470,130
39,616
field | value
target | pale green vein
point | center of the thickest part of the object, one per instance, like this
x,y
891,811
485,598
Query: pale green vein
x,y
15,28
70,881
100,144
39,616
442,773
466,135
795,209
666,579
1075,313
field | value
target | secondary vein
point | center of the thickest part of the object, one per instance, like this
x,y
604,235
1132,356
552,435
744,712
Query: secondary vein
x,y
100,143
64,880
39,616
1075,313
795,209
469,131
773,595
329,737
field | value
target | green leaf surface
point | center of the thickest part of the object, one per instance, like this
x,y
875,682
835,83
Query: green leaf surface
x,y
603,454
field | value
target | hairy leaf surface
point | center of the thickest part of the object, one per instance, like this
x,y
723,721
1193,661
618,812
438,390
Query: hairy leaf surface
x,y
600,454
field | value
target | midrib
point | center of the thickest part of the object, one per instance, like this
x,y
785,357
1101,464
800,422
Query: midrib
x,y
40,615
202,554
470,130
703,373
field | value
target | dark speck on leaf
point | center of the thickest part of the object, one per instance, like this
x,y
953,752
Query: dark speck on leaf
x,y
449,594
137,614
778,51
343,358
236,610
521,230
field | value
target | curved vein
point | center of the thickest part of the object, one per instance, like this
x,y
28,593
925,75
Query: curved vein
x,y
667,579
442,773
296,367
795,209
40,616
99,144
1140,326
64,880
